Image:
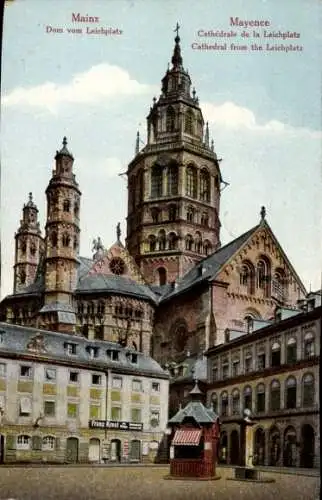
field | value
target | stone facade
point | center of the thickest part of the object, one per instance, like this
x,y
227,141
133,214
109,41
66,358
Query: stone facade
x,y
54,403
244,373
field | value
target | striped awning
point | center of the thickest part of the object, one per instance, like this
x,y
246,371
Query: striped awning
x,y
187,437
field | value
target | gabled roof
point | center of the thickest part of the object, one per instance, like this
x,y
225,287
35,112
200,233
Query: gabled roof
x,y
210,266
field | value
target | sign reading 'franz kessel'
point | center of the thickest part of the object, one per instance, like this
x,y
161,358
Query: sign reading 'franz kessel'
x,y
112,424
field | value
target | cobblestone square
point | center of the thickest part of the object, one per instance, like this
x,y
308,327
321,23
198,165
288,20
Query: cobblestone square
x,y
143,483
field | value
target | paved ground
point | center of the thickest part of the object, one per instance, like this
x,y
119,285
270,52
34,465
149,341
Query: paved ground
x,y
143,483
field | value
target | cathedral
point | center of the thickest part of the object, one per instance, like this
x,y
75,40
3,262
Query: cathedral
x,y
171,290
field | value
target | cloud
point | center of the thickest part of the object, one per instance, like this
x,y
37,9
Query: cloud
x,y
232,116
93,86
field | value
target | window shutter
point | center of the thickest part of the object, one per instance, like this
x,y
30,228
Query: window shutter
x,y
11,442
57,443
36,443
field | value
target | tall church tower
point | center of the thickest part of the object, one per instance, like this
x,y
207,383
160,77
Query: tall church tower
x,y
173,183
62,244
28,247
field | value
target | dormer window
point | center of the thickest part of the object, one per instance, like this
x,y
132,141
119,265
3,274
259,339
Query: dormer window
x,y
113,354
92,351
133,357
70,348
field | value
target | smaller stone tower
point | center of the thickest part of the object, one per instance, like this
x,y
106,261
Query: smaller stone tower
x,y
62,244
28,247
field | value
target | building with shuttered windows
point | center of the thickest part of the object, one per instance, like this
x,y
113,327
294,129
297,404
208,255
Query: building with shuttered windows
x,y
68,399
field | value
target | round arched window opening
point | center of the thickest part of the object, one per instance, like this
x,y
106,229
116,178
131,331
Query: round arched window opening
x,y
117,266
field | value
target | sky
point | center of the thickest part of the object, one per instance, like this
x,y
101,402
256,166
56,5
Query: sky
x,y
263,108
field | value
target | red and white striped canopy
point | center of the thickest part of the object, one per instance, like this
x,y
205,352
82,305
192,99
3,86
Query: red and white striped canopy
x,y
187,437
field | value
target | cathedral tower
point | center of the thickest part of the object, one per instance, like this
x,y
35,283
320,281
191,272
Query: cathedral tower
x,y
173,183
28,247
62,244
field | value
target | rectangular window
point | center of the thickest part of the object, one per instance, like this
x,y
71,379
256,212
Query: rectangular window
x,y
23,442
93,352
261,361
275,400
236,368
225,371
116,413
248,365
72,410
25,371
135,415
49,408
70,349
73,377
117,383
134,358
94,411
214,373
96,379
137,385
261,402
3,369
112,354
50,374
25,407
155,418
156,386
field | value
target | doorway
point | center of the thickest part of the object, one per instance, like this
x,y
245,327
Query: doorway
x,y
307,447
94,450
116,450
72,450
1,449
234,448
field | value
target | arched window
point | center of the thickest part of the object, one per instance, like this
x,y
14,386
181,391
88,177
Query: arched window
x,y
225,368
190,214
198,242
276,354
260,393
156,181
173,240
309,348
162,239
290,390
66,205
247,277
204,219
152,243
206,247
66,240
275,397
54,239
23,247
172,180
155,214
180,335
76,209
263,273
23,442
189,242
214,403
172,213
247,397
191,181
140,187
188,122
279,285
162,274
248,362
224,403
204,185
291,351
170,119
23,276
308,390
236,402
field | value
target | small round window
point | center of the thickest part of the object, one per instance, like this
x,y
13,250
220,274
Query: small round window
x,y
117,266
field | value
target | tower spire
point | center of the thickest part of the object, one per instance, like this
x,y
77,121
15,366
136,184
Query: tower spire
x,y
207,136
177,58
137,143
